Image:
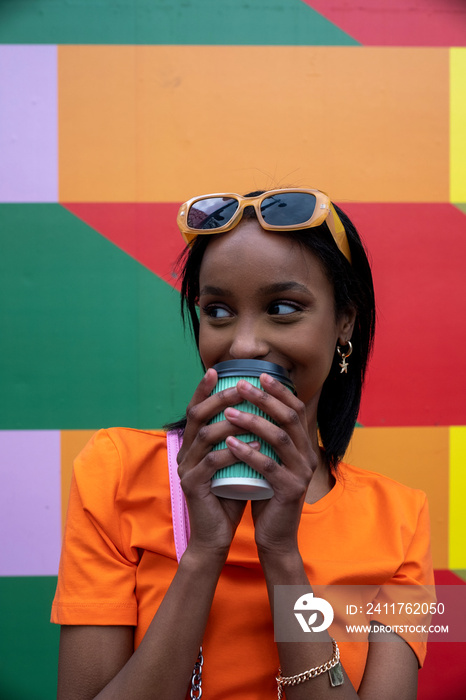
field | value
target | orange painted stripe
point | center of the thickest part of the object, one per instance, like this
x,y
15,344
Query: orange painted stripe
x,y
416,457
162,123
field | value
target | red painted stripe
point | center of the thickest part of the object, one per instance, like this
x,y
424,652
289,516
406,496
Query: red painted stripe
x,y
397,23
418,374
146,231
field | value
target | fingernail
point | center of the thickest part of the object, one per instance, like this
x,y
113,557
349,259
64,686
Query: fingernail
x,y
267,379
248,387
232,412
243,383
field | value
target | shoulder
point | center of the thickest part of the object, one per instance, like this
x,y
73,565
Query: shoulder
x,y
135,445
392,520
122,438
380,486
382,496
115,460
121,442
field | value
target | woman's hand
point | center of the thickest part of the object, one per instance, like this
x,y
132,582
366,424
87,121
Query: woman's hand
x,y
277,519
213,521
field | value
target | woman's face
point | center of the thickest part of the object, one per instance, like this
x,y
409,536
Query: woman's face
x,y
265,297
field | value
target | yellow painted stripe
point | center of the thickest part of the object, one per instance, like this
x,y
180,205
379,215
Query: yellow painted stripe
x,y
457,125
457,540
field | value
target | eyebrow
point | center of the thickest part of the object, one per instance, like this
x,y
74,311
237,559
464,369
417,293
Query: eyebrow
x,y
275,288
214,291
278,287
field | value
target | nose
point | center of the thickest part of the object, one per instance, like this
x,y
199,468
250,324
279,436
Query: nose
x,y
249,342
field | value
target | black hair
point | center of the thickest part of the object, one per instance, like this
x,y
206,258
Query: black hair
x,y
352,285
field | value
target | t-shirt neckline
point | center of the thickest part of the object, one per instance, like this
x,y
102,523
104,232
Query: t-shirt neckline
x,y
333,495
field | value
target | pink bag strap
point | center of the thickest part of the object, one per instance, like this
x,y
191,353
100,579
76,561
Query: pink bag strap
x,y
180,516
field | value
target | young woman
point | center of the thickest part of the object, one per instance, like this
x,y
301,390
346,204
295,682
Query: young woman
x,y
281,276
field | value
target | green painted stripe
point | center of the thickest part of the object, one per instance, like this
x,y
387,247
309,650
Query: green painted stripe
x,y
28,642
89,336
462,207
210,22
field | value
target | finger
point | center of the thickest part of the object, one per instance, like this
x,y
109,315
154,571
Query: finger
x,y
275,400
204,406
289,482
203,390
201,413
200,476
206,438
263,464
279,390
205,386
280,405
277,437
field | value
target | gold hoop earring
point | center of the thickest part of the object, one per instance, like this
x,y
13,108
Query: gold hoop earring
x,y
343,364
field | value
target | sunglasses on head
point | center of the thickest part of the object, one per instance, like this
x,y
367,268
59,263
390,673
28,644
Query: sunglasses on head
x,y
289,209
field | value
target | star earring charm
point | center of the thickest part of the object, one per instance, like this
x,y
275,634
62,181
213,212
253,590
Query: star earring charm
x,y
343,364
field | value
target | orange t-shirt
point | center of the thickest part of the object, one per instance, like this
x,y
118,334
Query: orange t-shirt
x,y
119,558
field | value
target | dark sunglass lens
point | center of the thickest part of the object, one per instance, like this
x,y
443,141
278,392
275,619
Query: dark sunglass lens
x,y
288,208
212,213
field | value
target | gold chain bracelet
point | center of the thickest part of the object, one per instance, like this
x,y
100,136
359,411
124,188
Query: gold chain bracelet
x,y
312,673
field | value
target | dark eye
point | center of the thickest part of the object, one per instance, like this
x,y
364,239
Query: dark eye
x,y
216,311
281,308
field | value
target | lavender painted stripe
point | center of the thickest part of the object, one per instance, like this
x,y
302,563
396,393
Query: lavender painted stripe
x,y
29,502
28,124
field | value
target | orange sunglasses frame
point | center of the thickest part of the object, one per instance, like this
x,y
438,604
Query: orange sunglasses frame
x,y
323,211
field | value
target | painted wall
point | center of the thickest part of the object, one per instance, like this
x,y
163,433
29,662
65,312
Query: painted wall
x,y
111,114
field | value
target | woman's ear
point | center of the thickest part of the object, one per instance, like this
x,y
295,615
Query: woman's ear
x,y
346,326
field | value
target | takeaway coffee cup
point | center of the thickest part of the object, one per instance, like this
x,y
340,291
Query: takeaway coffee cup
x,y
239,481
